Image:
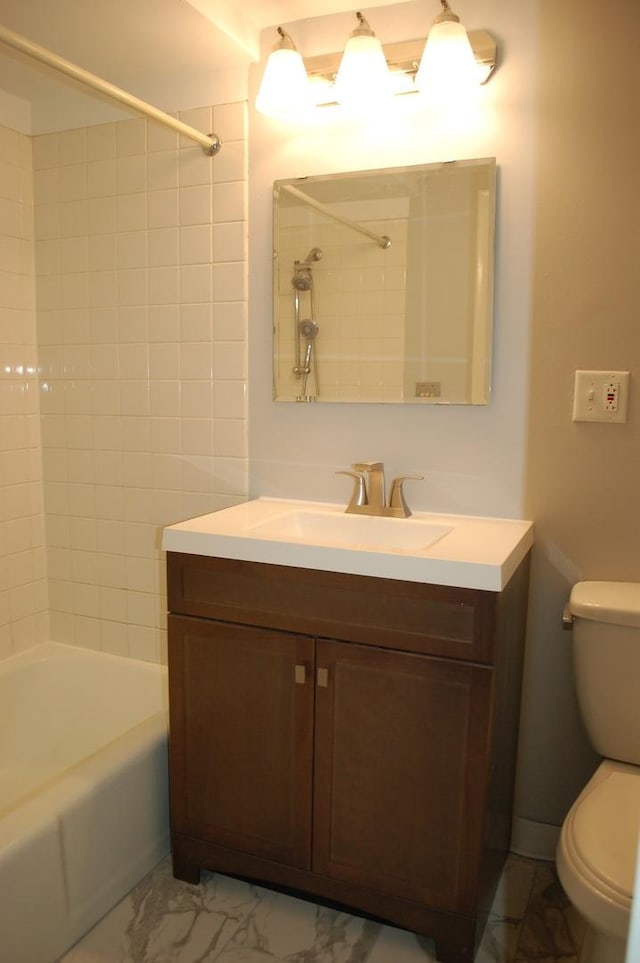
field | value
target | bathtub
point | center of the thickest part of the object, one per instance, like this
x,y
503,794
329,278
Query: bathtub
x,y
83,791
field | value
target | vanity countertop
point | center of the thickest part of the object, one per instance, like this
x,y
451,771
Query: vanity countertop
x,y
457,550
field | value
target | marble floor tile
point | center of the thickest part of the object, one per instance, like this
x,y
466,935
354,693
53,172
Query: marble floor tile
x,y
225,920
552,929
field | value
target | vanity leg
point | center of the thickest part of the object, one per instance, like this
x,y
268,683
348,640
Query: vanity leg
x,y
185,870
457,944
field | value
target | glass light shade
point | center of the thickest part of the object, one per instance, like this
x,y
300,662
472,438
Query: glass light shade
x,y
284,91
448,67
363,79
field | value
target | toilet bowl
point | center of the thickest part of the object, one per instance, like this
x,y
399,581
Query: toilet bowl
x,y
596,855
596,858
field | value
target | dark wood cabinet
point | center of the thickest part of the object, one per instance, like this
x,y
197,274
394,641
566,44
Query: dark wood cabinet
x,y
349,737
244,747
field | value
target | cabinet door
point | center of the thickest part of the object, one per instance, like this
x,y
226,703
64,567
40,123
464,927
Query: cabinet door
x,y
400,772
241,737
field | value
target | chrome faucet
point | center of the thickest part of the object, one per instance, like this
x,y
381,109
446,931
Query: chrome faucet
x,y
368,497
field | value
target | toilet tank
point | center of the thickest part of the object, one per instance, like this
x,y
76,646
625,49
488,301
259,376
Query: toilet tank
x,y
606,652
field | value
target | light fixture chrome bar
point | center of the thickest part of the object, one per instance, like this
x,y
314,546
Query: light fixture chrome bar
x,y
210,142
382,240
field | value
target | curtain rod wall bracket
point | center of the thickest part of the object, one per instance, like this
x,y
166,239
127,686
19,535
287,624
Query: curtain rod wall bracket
x,y
215,146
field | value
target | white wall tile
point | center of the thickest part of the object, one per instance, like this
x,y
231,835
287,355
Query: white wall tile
x,y
195,322
195,204
132,249
194,167
161,138
24,594
195,361
234,163
101,178
164,285
133,287
102,215
196,399
196,245
162,170
131,137
229,241
229,281
195,284
163,208
164,361
230,121
132,212
101,142
131,174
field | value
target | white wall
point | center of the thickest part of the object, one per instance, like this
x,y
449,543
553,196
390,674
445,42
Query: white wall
x,y
582,480
471,457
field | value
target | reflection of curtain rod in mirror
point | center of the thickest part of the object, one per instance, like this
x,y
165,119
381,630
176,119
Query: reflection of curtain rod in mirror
x,y
209,142
382,240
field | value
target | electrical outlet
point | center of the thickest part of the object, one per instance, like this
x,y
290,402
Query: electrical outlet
x,y
601,396
428,389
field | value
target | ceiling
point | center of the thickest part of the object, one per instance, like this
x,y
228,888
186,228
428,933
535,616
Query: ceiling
x,y
128,41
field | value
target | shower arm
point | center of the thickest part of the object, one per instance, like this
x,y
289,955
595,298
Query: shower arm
x,y
210,142
382,240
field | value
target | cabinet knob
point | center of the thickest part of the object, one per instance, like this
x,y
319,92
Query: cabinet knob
x,y
323,678
301,674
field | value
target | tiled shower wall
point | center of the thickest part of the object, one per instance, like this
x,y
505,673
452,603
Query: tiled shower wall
x,y
23,595
140,243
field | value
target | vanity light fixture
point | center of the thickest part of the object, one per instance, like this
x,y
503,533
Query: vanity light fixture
x,y
448,66
451,60
285,91
363,79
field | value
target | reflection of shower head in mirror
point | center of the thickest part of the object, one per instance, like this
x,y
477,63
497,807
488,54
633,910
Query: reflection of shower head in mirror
x,y
315,254
301,280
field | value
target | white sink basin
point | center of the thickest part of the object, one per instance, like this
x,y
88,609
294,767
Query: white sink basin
x,y
461,550
352,531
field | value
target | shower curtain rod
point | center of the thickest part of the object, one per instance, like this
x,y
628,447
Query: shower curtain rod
x,y
382,240
211,143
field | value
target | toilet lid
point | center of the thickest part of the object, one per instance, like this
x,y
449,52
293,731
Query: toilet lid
x,y
605,830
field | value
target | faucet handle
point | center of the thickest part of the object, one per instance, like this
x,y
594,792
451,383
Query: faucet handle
x,y
359,495
397,503
368,466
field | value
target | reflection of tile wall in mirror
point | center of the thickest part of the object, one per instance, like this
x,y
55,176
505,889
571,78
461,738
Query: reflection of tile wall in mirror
x,y
390,321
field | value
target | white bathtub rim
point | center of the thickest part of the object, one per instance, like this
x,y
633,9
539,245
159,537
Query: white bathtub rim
x,y
45,650
74,781
78,781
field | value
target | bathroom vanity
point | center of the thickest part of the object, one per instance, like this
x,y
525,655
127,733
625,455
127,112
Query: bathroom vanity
x,y
340,733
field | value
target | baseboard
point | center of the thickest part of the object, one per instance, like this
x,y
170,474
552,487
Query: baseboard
x,y
537,840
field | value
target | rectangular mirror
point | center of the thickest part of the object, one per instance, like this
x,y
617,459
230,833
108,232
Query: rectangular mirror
x,y
383,285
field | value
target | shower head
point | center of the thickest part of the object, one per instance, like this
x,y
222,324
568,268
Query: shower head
x,y
301,280
315,254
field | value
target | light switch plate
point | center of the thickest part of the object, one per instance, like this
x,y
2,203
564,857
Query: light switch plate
x,y
601,396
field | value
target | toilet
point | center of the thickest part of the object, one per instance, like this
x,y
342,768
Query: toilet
x,y
598,844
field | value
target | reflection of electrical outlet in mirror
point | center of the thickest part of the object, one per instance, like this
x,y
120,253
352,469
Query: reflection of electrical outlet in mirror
x,y
601,396
427,389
